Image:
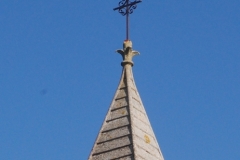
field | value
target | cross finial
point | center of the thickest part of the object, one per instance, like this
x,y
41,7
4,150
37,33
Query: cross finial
x,y
126,7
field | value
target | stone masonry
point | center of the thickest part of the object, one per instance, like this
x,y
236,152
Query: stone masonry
x,y
126,133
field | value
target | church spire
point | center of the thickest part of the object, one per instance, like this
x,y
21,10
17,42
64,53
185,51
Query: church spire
x,y
126,133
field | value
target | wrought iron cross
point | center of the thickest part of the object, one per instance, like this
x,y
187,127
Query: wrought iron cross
x,y
126,7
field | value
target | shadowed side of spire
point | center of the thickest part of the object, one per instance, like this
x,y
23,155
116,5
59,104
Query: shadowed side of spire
x,y
126,133
115,137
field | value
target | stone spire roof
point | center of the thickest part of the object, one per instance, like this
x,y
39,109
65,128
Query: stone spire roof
x,y
126,133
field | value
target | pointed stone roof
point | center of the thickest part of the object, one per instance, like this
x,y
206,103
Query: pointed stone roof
x,y
126,133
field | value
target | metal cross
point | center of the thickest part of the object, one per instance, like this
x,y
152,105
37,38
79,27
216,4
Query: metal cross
x,y
126,7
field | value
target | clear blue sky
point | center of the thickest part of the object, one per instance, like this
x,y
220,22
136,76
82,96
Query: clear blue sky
x,y
59,72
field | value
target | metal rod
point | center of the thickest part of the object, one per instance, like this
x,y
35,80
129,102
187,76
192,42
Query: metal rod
x,y
127,21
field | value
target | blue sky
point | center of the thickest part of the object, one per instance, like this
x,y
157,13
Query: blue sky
x,y
59,72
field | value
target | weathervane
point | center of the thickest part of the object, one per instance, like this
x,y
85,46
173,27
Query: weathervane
x,y
126,7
